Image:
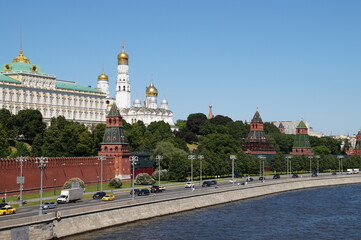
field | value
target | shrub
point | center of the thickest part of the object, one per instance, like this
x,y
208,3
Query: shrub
x,y
115,183
67,184
144,179
163,174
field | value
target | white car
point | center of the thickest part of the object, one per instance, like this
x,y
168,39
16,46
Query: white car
x,y
231,181
189,185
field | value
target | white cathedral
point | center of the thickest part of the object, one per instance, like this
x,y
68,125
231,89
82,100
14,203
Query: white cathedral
x,y
149,111
24,85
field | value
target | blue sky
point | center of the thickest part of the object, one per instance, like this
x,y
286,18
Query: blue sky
x,y
291,59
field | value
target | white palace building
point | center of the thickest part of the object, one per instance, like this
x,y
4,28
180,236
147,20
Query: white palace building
x,y
26,86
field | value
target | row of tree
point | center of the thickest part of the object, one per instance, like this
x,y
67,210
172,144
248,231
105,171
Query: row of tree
x,y
25,134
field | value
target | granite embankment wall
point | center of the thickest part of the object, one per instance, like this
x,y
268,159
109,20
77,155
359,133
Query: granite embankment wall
x,y
75,221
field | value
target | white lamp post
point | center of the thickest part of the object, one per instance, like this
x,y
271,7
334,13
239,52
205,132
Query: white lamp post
x,y
289,163
159,157
191,157
340,164
21,179
101,159
233,157
42,161
200,157
133,160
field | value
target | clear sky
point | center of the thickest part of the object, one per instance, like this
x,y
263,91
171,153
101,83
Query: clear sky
x,y
292,59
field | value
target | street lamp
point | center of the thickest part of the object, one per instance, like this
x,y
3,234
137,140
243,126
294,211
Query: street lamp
x,y
310,157
97,183
318,158
54,185
42,161
261,165
159,157
191,157
133,160
200,157
233,157
340,163
21,179
289,165
101,159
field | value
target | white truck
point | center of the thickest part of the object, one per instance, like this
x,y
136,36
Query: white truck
x,y
356,170
349,171
70,195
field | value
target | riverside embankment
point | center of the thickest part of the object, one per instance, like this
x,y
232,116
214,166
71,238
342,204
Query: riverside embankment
x,y
74,221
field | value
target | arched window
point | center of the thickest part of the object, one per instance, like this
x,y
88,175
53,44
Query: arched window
x,y
123,88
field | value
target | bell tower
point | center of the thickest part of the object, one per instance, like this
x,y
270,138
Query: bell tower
x,y
122,96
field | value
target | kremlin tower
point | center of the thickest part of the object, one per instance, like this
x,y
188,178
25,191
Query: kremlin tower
x,y
301,145
122,90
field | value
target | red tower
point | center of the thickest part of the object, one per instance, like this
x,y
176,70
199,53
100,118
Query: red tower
x,y
114,144
301,145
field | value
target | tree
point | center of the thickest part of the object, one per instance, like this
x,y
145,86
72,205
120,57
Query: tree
x,y
68,184
195,121
97,136
321,150
220,120
4,144
29,123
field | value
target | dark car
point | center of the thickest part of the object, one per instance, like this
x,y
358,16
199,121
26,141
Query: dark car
x,y
262,178
99,195
295,175
276,176
314,174
214,182
249,179
156,189
143,192
207,184
334,173
136,191
4,205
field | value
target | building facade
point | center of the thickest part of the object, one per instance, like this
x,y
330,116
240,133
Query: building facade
x,y
27,86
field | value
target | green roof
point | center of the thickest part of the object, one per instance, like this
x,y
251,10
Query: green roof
x,y
301,125
257,118
4,78
75,87
114,111
21,66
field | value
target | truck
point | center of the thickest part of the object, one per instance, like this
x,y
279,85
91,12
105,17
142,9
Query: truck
x,y
356,170
70,195
349,171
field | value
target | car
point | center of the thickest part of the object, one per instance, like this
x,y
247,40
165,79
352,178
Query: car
x,y
136,191
189,185
233,181
262,178
295,175
108,197
156,189
4,205
49,205
143,192
207,184
7,210
276,176
334,173
241,183
314,174
249,179
99,195
214,182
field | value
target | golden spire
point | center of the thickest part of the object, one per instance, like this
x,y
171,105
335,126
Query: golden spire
x,y
210,114
103,76
123,57
151,91
21,57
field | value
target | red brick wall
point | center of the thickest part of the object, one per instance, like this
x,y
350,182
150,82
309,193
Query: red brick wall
x,y
61,169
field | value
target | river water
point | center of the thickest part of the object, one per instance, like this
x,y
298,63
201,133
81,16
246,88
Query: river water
x,y
320,213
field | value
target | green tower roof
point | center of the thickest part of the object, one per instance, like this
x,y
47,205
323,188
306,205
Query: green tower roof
x,y
301,125
114,111
257,118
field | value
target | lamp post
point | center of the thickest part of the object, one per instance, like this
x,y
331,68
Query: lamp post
x,y
191,157
261,165
42,161
54,185
318,158
101,159
97,183
340,163
159,157
233,157
21,179
200,157
310,157
289,163
133,160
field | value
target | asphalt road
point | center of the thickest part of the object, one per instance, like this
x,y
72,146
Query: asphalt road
x,y
125,197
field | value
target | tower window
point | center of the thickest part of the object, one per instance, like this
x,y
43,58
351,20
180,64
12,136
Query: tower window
x,y
119,88
123,88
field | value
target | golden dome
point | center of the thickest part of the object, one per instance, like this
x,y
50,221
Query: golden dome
x,y
151,91
103,77
123,57
21,58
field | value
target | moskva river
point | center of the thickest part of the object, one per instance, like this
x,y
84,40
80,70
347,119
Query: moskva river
x,y
320,213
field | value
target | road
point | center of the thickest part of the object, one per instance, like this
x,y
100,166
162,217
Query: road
x,y
124,198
